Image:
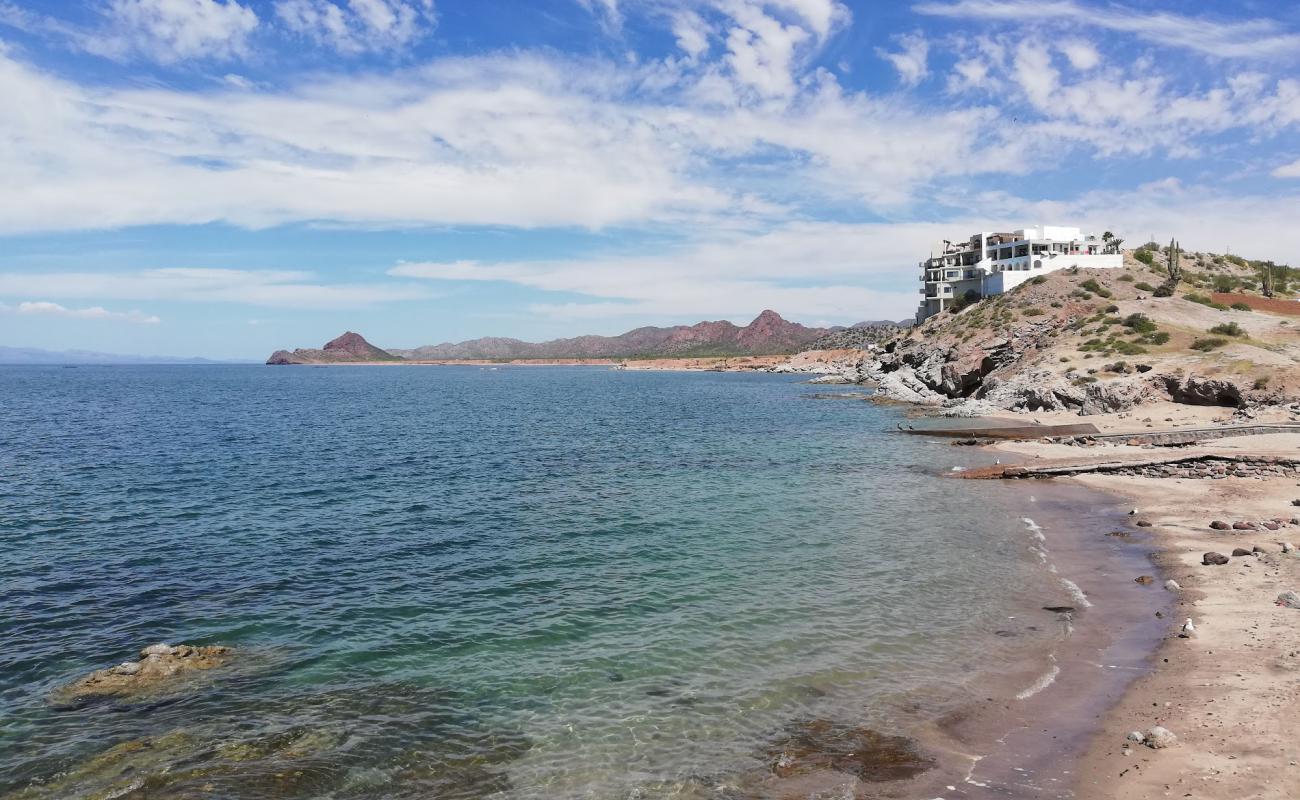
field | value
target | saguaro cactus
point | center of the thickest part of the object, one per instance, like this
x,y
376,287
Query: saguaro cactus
x,y
1173,268
1266,282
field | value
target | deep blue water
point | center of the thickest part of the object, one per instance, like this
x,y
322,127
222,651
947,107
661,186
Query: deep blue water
x,y
459,582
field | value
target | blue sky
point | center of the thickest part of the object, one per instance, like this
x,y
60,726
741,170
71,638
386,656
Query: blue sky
x,y
226,177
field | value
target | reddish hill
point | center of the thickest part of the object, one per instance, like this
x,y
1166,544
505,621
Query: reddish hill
x,y
348,348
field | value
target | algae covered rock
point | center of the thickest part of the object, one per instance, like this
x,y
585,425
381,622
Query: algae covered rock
x,y
158,668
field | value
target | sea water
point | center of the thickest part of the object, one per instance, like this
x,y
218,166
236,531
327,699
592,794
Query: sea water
x,y
461,582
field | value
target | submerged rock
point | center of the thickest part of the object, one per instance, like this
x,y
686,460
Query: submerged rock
x,y
160,665
865,753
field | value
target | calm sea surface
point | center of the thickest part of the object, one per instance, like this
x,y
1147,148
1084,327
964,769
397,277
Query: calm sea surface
x,y
460,582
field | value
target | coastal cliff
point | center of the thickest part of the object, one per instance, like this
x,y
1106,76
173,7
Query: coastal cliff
x,y
1093,341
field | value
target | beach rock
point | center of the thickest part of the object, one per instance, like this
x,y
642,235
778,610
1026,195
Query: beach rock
x,y
1145,580
1188,630
1244,526
1272,526
1220,525
1289,600
160,666
1143,523
1257,549
1287,547
1214,558
1059,609
1159,738
1135,736
1172,585
1240,551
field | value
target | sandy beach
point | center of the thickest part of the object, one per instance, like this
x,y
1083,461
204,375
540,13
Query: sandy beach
x,y
1228,690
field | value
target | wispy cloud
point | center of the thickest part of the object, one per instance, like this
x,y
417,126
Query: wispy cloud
x,y
168,31
1291,170
358,26
46,308
279,289
1245,39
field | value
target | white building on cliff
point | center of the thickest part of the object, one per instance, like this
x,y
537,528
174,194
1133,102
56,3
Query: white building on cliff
x,y
992,263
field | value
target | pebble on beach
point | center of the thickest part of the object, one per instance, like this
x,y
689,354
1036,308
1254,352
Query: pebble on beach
x,y
1172,585
1159,738
1289,600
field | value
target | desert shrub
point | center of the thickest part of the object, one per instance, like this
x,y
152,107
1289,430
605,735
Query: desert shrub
x,y
1207,344
1198,298
1160,337
1261,382
1064,359
1152,246
1140,323
1096,288
1228,329
1039,280
1144,256
1128,348
1240,306
1127,278
1033,312
1143,286
1238,260
1056,304
1112,308
1224,283
1118,366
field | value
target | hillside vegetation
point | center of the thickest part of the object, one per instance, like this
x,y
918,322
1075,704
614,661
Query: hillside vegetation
x,y
1102,340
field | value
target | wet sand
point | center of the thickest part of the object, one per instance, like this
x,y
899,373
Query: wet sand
x,y
1228,692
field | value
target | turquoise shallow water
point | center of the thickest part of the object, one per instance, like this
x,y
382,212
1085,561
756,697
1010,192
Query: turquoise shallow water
x,y
457,582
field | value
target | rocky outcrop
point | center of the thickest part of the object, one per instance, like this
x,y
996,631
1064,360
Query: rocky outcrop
x,y
158,668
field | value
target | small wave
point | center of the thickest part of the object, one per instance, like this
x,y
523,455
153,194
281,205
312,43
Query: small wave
x,y
1044,680
1075,592
1034,528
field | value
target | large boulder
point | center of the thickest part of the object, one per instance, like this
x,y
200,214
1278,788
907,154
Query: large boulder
x,y
1116,395
1196,390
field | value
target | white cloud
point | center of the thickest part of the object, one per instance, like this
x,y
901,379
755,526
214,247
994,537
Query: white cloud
x,y
610,14
47,308
911,61
1291,170
279,289
1247,39
172,30
358,26
692,34
1081,54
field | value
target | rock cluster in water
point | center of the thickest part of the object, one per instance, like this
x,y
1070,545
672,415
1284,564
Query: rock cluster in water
x,y
862,752
159,666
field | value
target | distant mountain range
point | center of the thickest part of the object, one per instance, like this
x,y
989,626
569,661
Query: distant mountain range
x,y
768,334
33,355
